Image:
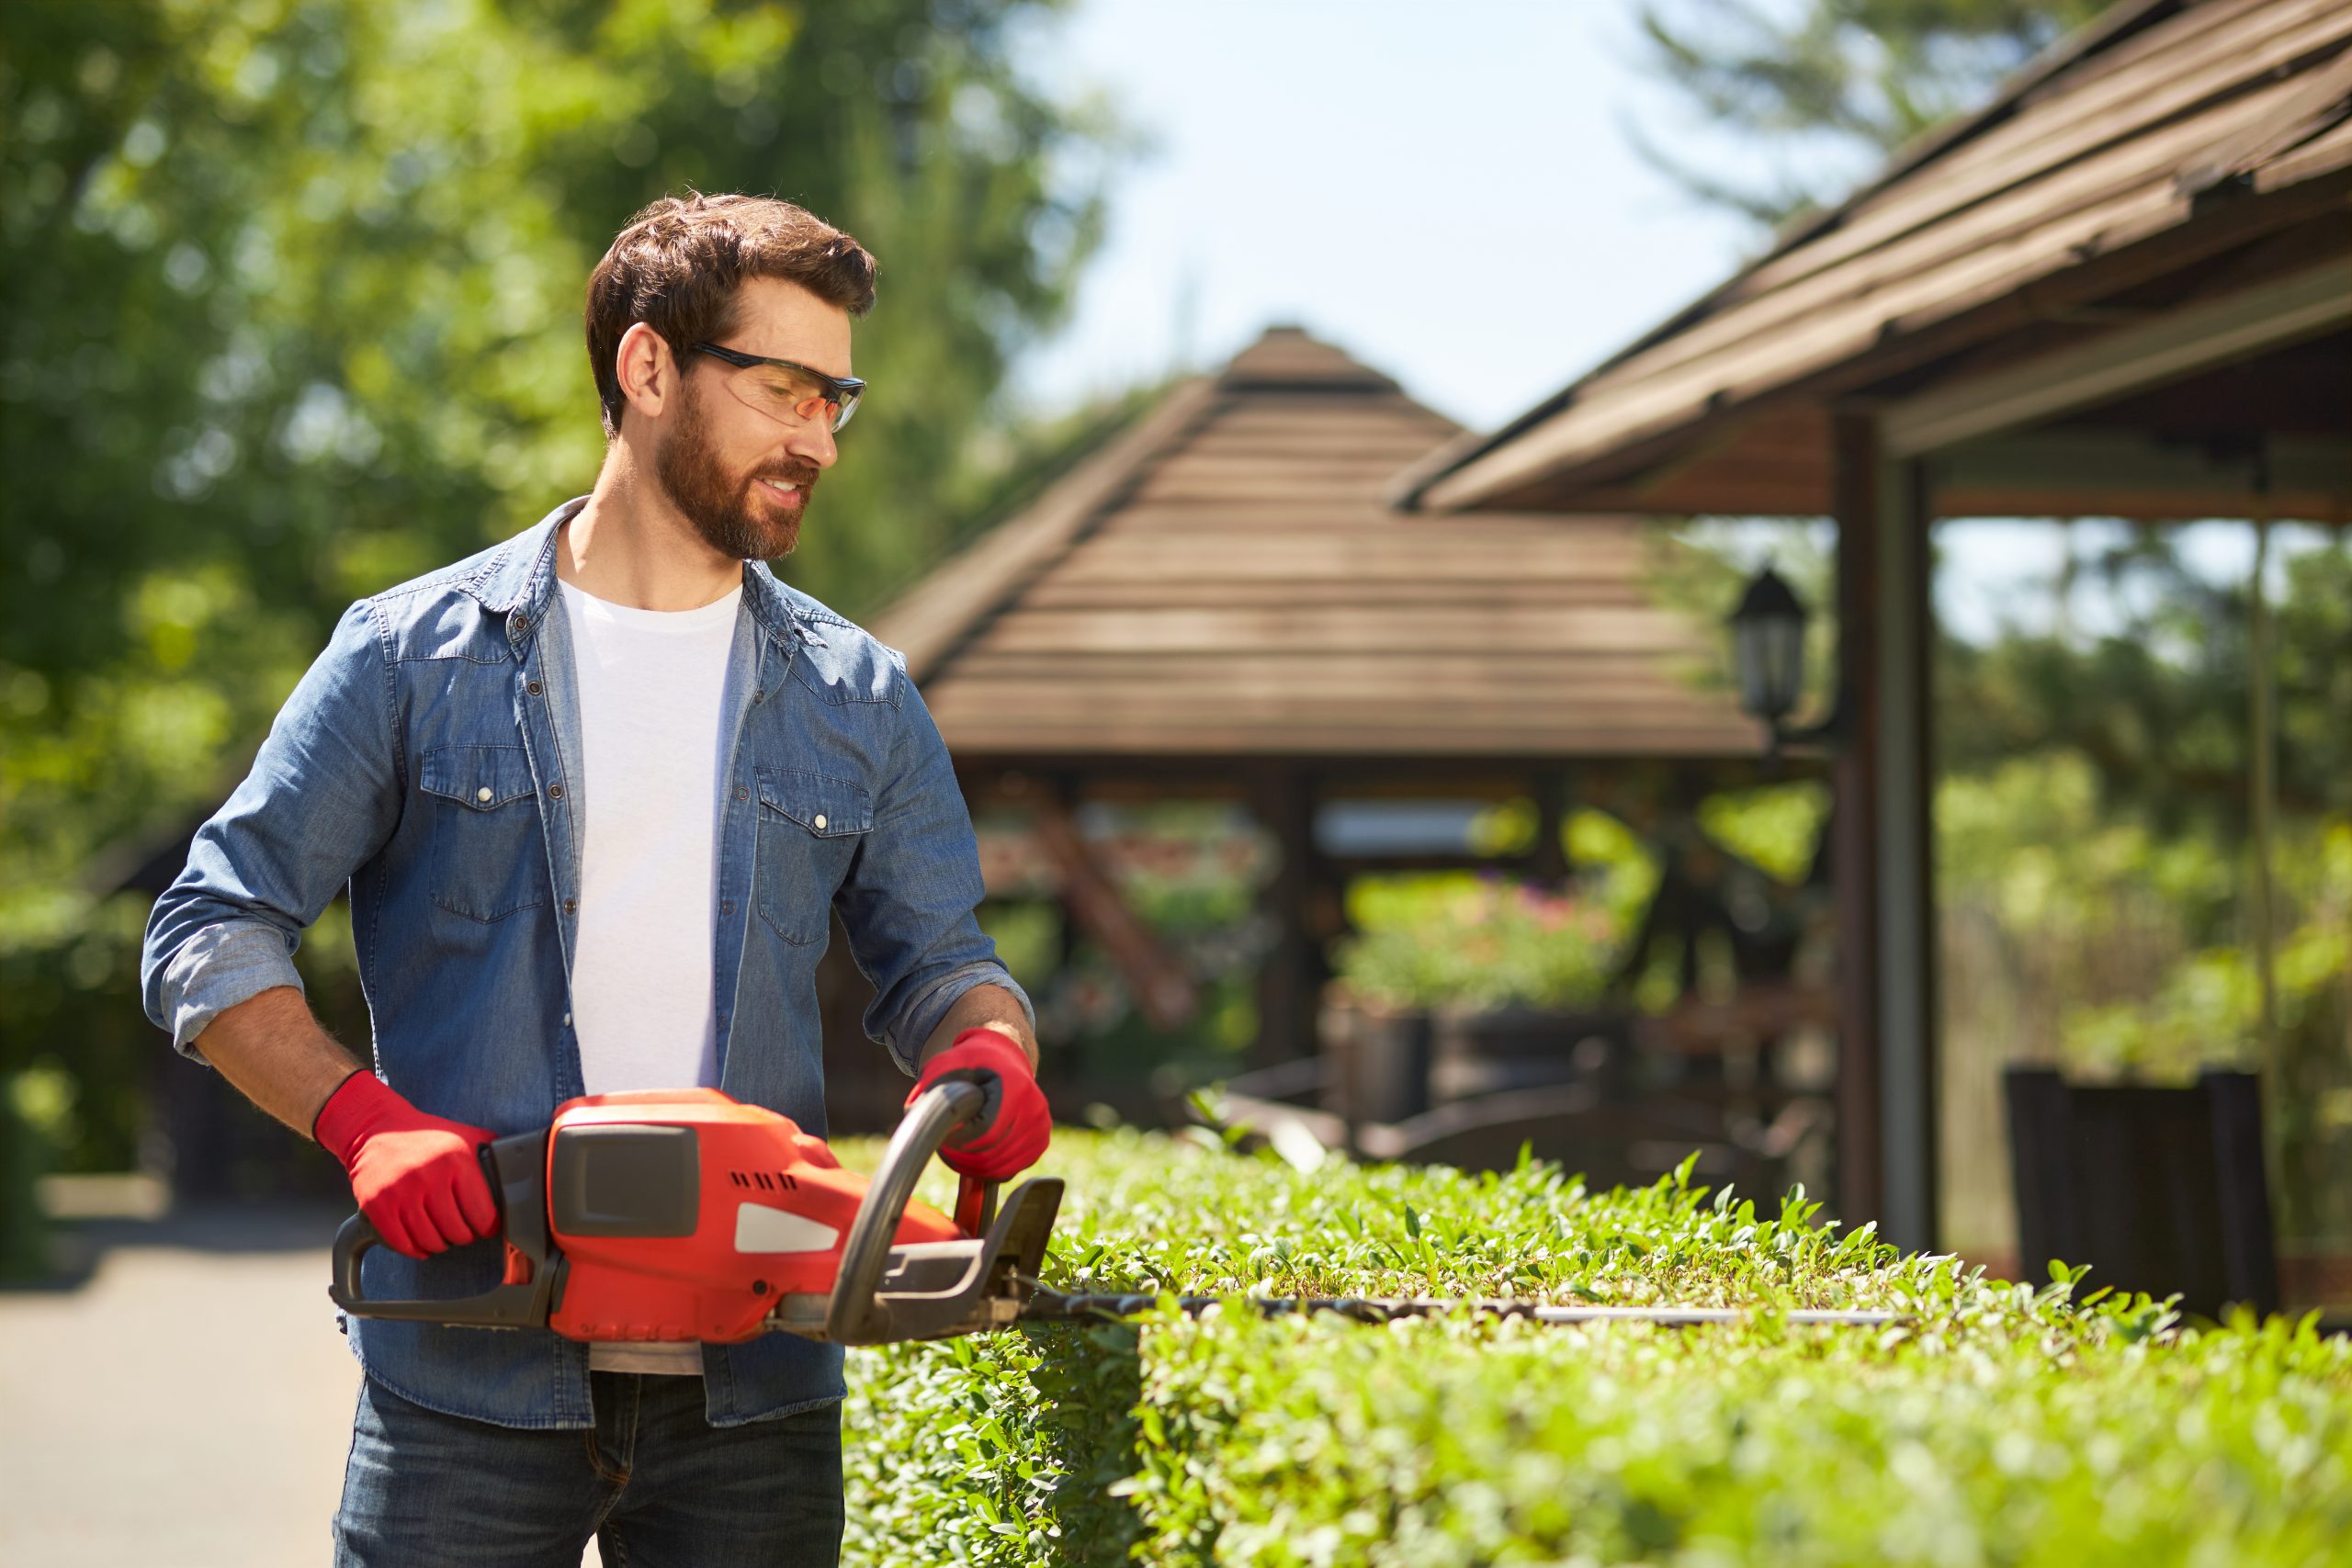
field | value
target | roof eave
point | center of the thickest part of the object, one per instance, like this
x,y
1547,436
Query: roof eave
x,y
1430,485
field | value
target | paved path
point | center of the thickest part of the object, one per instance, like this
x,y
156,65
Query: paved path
x,y
187,1404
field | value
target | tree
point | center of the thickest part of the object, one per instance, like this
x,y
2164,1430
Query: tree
x,y
1829,87
293,292
2158,704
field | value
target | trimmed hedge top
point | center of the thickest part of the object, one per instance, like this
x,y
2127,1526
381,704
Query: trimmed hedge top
x,y
2001,1425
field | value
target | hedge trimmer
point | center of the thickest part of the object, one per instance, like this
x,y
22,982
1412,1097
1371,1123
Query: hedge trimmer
x,y
683,1215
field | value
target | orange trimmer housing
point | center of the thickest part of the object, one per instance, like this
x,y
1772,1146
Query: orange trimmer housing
x,y
683,1214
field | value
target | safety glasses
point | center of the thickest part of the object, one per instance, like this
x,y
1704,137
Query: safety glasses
x,y
786,392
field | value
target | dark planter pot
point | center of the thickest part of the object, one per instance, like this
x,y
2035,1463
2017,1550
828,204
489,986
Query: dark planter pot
x,y
2158,1189
1388,1066
1481,1050
1379,1064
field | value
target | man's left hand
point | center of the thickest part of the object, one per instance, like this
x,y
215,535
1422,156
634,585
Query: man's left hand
x,y
1013,1139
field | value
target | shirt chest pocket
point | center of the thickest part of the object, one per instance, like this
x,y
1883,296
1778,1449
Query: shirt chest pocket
x,y
810,828
488,857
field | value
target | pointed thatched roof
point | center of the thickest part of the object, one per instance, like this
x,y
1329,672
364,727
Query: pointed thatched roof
x,y
1226,579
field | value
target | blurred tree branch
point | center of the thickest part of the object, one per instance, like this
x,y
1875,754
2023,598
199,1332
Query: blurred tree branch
x,y
293,313
1828,87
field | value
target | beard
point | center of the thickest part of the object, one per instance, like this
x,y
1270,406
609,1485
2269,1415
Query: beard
x,y
734,514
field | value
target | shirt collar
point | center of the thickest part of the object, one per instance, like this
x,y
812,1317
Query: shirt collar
x,y
518,577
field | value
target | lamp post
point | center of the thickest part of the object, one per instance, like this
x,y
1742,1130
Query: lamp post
x,y
1768,637
1768,645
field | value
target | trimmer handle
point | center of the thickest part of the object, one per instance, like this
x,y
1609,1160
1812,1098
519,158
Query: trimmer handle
x,y
975,1199
974,1204
517,1168
936,1112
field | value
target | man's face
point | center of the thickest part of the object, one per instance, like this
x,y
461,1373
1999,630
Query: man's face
x,y
742,478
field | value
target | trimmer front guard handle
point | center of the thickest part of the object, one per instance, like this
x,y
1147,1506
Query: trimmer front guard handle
x,y
516,1167
883,1294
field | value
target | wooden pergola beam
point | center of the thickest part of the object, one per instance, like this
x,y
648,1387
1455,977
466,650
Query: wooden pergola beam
x,y
1155,978
2078,472
2175,344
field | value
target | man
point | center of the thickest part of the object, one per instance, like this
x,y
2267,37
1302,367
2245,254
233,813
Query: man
x,y
596,793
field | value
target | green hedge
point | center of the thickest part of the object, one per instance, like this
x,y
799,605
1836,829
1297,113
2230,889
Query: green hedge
x,y
2003,1425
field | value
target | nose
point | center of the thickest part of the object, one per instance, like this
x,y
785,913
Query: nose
x,y
813,442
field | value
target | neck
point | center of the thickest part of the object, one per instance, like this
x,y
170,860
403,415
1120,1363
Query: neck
x,y
629,545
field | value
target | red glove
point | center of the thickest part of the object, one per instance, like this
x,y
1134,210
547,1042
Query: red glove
x,y
1017,1134
417,1178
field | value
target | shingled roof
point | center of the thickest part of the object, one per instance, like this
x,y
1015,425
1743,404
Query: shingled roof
x,y
1227,578
2169,150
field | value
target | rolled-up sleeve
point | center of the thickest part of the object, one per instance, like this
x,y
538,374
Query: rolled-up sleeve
x,y
323,797
908,902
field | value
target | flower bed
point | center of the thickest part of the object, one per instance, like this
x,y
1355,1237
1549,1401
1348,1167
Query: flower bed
x,y
2002,1425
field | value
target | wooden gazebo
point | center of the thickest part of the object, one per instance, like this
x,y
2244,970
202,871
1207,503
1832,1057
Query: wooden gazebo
x,y
1223,603
2122,288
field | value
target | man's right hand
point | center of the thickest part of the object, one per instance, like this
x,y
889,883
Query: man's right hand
x,y
418,1178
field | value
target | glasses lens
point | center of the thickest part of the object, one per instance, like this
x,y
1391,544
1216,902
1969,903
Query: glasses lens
x,y
790,397
776,392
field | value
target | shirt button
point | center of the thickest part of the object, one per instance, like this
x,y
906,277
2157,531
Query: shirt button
x,y
554,792
567,1021
757,696
522,622
482,795
533,688
727,906
569,905
820,823
743,793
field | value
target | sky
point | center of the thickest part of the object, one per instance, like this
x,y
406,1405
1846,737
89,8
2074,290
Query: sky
x,y
1452,194
1446,192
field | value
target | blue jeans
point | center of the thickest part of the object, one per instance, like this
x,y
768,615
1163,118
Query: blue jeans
x,y
654,1482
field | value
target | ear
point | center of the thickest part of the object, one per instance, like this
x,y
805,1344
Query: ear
x,y
647,370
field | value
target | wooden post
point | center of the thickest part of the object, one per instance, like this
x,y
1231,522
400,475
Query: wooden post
x,y
1291,978
1883,853
1067,798
2284,1080
1904,861
1854,820
1551,867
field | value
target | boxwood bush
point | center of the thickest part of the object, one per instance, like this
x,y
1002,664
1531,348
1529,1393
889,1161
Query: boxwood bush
x,y
2000,1424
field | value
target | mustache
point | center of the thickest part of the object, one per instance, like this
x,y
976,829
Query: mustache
x,y
802,474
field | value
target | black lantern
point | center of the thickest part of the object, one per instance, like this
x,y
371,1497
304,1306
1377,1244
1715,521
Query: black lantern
x,y
1768,639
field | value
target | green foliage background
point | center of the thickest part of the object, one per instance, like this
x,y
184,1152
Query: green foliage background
x,y
293,292
1435,938
2096,865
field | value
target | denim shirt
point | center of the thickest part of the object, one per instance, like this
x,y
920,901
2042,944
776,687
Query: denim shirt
x,y
431,758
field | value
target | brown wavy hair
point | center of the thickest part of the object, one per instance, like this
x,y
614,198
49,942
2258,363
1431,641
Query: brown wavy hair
x,y
678,264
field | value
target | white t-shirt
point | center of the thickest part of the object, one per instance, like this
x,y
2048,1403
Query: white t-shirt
x,y
652,699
